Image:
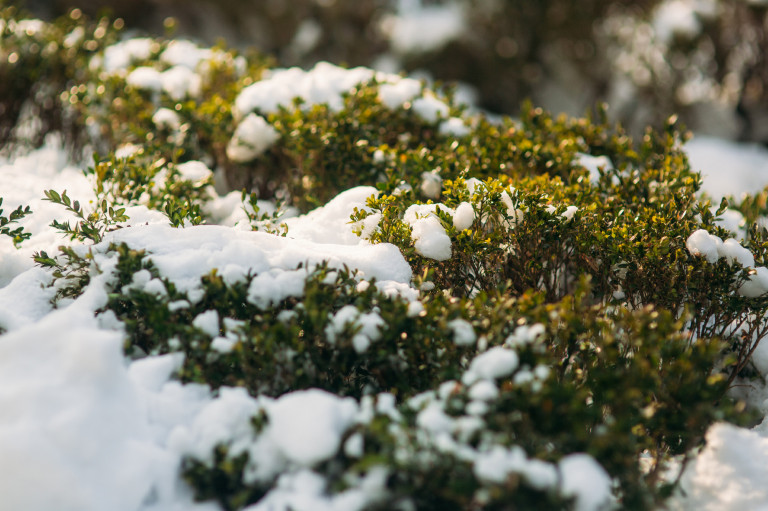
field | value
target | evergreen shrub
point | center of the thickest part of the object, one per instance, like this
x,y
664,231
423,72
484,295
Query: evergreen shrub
x,y
620,340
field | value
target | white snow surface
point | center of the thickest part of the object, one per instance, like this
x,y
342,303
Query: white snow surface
x,y
496,465
330,223
429,236
252,137
728,168
730,472
497,362
64,380
120,56
166,118
307,425
324,84
678,18
583,478
418,28
185,255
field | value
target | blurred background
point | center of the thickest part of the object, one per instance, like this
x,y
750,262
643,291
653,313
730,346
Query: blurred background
x,y
705,60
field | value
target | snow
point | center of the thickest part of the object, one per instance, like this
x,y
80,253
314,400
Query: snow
x,y
29,27
273,286
733,221
703,244
307,426
145,78
594,164
418,28
354,446
730,472
483,390
26,299
74,37
22,183
396,94
184,53
728,168
497,362
454,126
180,82
464,216
120,56
496,465
185,255
675,18
252,137
515,215
757,285
195,171
371,325
431,185
734,252
152,373
569,212
325,84
126,151
463,333
166,118
434,420
208,322
430,238
583,478
225,420
331,224
525,334
304,491
430,108
72,420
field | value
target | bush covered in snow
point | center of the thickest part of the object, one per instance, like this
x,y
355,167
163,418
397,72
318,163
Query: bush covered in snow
x,y
703,59
524,314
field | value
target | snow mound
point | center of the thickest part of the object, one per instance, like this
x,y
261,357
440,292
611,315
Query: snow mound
x,y
73,423
730,472
185,255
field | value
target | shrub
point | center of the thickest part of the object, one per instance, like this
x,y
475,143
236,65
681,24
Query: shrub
x,y
18,234
42,64
574,299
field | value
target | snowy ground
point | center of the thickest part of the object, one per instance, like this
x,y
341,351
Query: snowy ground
x,y
728,168
83,428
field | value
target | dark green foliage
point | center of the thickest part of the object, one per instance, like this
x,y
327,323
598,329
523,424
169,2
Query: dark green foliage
x,y
91,226
620,383
222,483
70,269
18,234
276,354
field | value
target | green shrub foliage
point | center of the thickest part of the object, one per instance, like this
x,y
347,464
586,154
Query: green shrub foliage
x,y
626,341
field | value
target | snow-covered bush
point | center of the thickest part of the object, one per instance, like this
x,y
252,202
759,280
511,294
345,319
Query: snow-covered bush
x,y
525,314
704,59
